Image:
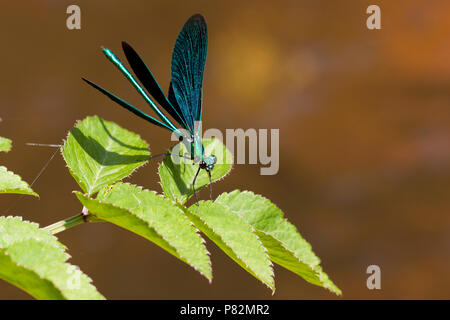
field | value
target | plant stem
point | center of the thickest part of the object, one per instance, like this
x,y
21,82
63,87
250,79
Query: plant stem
x,y
67,223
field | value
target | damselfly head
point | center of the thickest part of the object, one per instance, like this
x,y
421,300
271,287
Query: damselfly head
x,y
209,162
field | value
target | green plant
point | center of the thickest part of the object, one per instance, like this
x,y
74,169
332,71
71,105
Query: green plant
x,y
249,228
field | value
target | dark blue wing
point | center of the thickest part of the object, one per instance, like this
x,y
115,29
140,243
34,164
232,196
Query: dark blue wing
x,y
127,106
188,64
147,79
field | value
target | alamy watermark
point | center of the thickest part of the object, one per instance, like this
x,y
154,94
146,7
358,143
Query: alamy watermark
x,y
374,280
373,22
260,151
73,21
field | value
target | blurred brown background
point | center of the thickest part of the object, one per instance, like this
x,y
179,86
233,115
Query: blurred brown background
x,y
364,128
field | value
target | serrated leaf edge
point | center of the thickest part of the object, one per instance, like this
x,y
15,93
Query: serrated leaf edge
x,y
57,245
72,173
18,190
317,269
181,257
174,204
259,241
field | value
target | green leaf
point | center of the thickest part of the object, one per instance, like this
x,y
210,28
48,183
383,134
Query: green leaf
x,y
5,144
285,245
234,236
12,183
99,153
153,217
33,260
177,174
